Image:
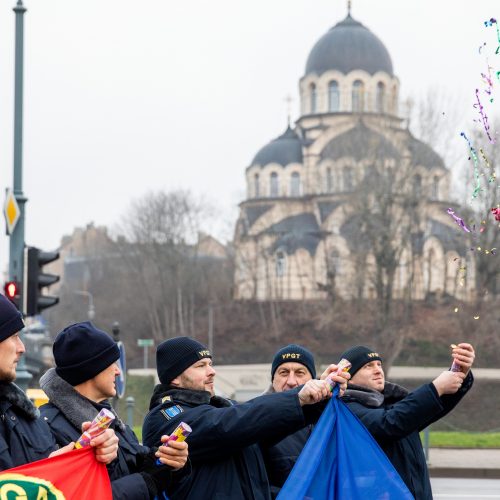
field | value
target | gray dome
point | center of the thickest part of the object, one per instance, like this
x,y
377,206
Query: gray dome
x,y
348,46
285,149
423,154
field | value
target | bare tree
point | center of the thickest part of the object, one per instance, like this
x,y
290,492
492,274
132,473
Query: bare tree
x,y
384,212
161,230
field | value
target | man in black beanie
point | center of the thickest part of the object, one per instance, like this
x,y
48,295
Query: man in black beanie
x,y
79,387
292,365
24,436
224,445
395,416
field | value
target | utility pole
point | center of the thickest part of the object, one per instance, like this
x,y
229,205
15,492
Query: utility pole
x,y
16,259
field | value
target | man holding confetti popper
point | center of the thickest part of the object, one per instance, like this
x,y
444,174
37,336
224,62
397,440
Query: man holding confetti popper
x,y
79,387
395,416
24,436
224,448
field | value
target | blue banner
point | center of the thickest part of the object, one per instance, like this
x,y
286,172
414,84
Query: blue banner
x,y
342,461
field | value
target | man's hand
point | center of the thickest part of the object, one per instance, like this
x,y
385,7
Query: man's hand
x,y
174,453
464,356
331,374
105,444
314,391
64,449
448,382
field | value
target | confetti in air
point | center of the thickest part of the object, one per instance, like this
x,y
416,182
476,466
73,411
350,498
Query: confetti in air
x,y
475,160
458,220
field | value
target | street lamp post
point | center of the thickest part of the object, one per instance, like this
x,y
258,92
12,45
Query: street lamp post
x,y
16,255
90,297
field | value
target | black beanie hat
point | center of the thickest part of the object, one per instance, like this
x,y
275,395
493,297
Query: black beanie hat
x,y
175,355
81,351
358,356
294,353
11,320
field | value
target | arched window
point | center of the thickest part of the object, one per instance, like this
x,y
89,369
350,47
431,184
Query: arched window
x,y
295,184
348,181
334,261
274,186
417,186
380,104
256,186
329,180
333,96
280,263
358,96
435,188
313,98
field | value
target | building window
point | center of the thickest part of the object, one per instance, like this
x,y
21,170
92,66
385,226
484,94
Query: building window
x,y
274,185
329,180
348,184
435,188
358,96
295,184
380,104
333,96
334,261
417,186
313,98
256,186
280,263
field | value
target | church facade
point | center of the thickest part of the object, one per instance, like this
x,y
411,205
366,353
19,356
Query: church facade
x,y
348,200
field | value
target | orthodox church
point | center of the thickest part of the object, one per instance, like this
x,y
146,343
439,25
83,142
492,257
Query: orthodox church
x,y
300,236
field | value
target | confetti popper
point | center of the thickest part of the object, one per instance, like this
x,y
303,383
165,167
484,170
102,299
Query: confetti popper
x,y
100,423
455,367
181,432
343,366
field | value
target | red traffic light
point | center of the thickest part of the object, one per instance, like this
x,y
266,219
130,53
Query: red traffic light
x,y
11,289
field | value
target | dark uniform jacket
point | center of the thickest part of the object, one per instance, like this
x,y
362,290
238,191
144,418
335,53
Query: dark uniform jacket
x,y
279,458
65,413
226,460
395,417
24,436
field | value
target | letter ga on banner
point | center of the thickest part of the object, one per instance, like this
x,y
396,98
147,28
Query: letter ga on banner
x,y
70,476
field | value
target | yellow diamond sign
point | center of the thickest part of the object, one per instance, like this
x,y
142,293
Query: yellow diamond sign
x,y
11,211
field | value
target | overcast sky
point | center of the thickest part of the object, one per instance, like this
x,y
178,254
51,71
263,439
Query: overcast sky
x,y
123,97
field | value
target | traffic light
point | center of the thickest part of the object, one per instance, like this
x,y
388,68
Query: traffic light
x,y
12,292
35,280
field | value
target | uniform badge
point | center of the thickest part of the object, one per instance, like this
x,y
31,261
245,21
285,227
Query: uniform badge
x,y
166,399
171,412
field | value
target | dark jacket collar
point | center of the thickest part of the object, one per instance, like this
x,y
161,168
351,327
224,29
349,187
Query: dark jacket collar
x,y
189,397
373,398
11,393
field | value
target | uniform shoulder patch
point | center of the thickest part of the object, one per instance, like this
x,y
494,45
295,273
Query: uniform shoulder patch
x,y
166,399
171,411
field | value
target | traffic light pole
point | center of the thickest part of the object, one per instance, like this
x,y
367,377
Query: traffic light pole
x,y
16,258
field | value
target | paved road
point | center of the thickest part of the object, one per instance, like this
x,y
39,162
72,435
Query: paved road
x,y
465,489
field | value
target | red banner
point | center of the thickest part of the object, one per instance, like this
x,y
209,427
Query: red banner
x,y
70,476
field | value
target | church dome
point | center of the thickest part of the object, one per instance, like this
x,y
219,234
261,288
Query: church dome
x,y
346,47
285,149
